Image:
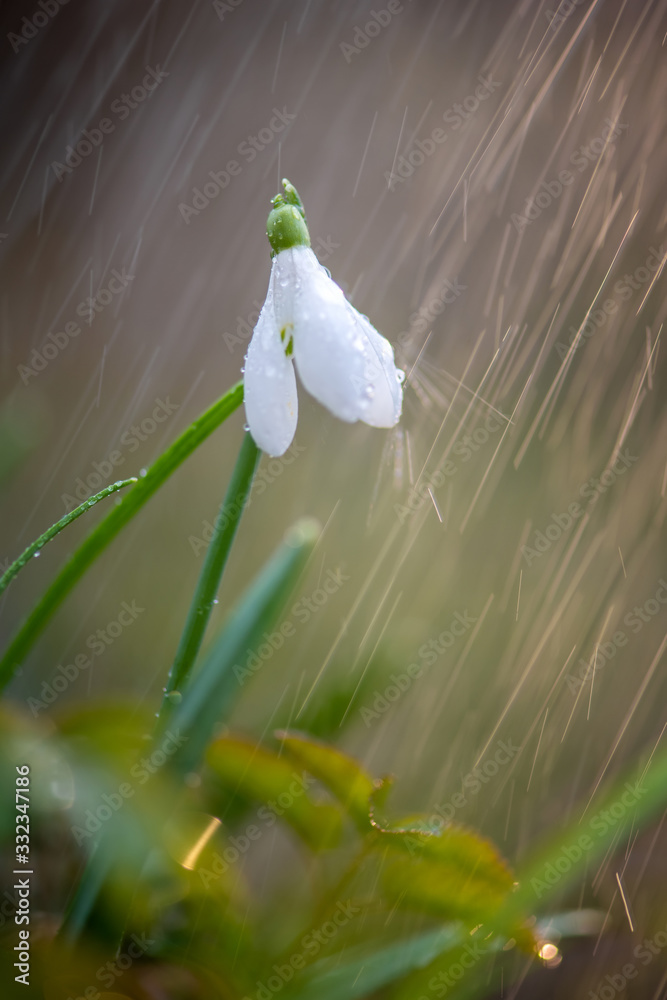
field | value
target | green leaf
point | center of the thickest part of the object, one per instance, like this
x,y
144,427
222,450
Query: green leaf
x,y
449,871
56,528
444,888
115,732
565,857
454,846
342,775
461,970
261,775
212,689
107,529
361,971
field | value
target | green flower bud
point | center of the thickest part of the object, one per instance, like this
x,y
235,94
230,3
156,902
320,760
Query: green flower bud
x,y
286,226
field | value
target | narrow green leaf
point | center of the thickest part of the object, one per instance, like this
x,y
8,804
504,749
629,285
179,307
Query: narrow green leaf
x,y
259,774
359,972
56,528
341,774
213,687
565,857
107,530
461,970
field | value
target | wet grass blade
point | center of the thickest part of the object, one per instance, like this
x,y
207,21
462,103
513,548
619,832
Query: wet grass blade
x,y
56,528
112,524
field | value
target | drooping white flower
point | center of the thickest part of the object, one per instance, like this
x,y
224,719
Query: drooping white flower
x,y
306,322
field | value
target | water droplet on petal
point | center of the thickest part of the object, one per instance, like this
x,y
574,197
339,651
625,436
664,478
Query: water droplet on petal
x,y
142,472
37,555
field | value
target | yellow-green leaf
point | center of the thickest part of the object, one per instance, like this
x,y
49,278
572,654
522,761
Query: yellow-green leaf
x,y
260,774
453,873
342,775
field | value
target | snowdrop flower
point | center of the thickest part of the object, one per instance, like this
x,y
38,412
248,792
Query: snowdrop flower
x,y
307,322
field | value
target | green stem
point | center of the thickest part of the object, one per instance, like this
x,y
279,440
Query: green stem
x,y
107,530
51,532
214,564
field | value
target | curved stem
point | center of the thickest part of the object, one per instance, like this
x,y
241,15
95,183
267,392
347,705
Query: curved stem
x,y
208,584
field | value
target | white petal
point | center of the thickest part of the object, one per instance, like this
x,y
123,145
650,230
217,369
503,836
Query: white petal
x,y
330,349
269,385
384,378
